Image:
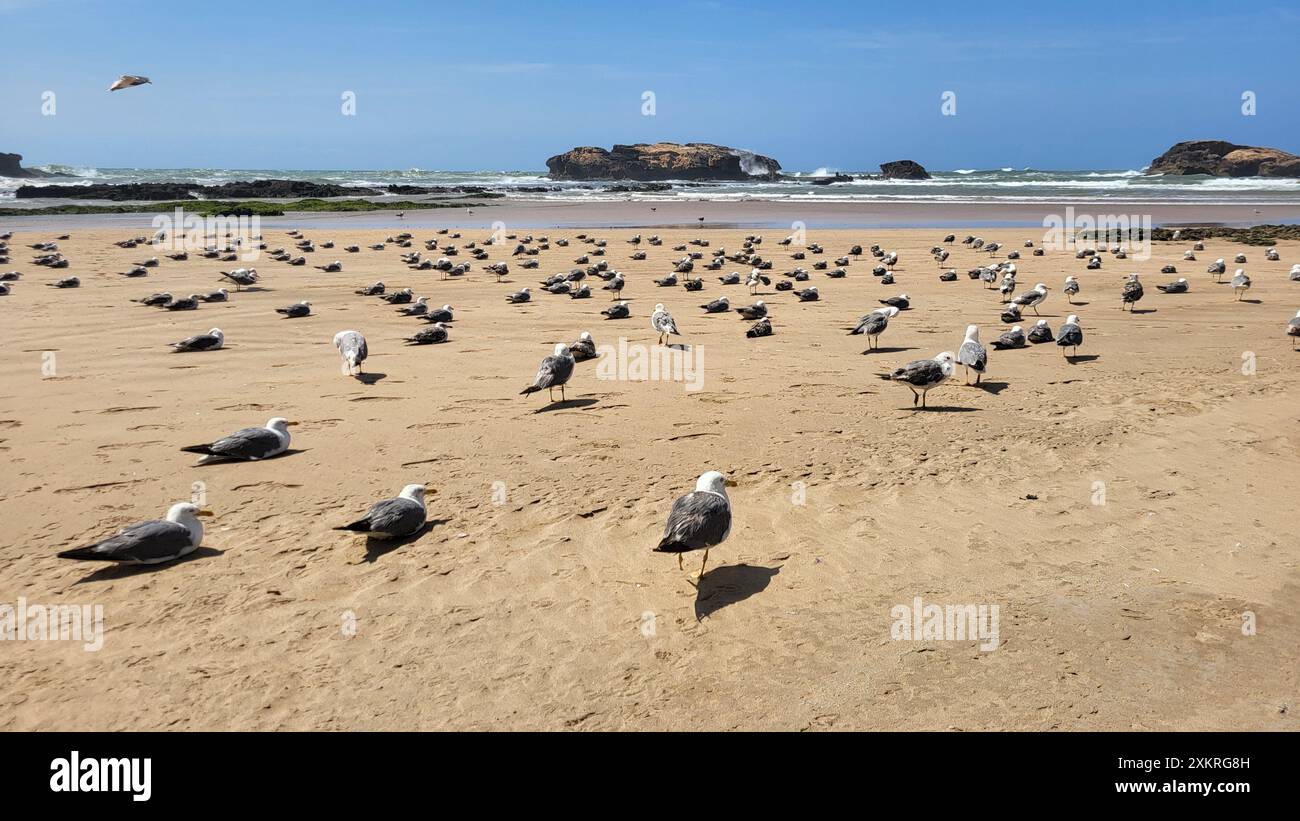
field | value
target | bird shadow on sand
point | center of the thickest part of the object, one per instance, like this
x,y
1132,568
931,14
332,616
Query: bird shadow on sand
x,y
886,350
680,346
1252,301
584,402
1078,304
1087,357
117,572
940,409
1143,311
253,289
369,378
376,548
994,388
726,585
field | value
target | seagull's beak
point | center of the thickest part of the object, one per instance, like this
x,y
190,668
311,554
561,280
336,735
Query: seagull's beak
x,y
204,513
292,423
731,483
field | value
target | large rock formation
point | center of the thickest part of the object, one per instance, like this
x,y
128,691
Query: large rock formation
x,y
11,165
1223,159
662,161
903,170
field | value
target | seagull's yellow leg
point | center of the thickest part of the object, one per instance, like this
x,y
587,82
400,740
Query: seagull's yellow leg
x,y
700,577
679,562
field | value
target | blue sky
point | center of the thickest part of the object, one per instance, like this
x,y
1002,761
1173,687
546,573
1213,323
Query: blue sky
x,y
504,85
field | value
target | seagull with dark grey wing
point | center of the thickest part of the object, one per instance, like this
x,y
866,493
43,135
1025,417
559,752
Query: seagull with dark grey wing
x,y
352,348
443,314
152,542
393,518
553,372
433,335
615,286
808,294
155,299
210,341
247,444
972,354
522,295
1071,289
372,290
1293,328
219,295
718,306
619,311
1070,335
1179,287
189,303
901,302
1032,299
418,308
294,311
924,374
1014,338
663,322
756,311
241,277
700,520
128,81
1218,268
756,278
1040,333
874,324
763,327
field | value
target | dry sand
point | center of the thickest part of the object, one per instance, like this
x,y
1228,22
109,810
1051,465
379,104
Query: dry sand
x,y
550,611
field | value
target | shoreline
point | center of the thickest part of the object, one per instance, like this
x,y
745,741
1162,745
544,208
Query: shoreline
x,y
756,214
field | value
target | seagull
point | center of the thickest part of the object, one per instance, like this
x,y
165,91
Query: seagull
x,y
155,299
247,444
67,282
189,303
1040,333
519,296
1293,328
972,354
901,302
419,308
553,372
756,311
924,374
1014,338
293,311
210,341
127,81
1240,283
219,295
393,518
699,520
352,347
152,542
1032,299
1011,313
1132,291
874,324
1179,287
401,297
1218,268
718,306
808,294
372,290
619,311
1071,288
615,285
663,322
330,268
443,314
433,335
763,327
1008,286
1070,335
757,277
584,348
241,277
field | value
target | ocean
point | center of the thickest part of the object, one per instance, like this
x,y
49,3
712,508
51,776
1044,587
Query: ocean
x,y
1003,185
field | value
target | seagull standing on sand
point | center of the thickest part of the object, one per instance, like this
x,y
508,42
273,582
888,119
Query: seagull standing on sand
x,y
1070,336
663,322
247,444
924,374
874,324
1240,283
127,81
1033,298
1293,329
393,518
151,542
1132,292
1218,268
1071,289
352,347
972,354
553,372
699,520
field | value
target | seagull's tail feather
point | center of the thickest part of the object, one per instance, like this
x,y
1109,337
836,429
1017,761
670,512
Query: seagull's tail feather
x,y
359,526
87,553
529,389
204,449
669,545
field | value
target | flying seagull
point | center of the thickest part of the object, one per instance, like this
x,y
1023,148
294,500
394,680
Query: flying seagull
x,y
699,520
393,518
129,80
247,445
151,542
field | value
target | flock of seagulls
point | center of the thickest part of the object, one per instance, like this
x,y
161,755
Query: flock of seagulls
x,y
698,520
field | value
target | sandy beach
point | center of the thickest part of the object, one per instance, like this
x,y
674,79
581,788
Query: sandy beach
x,y
1127,512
